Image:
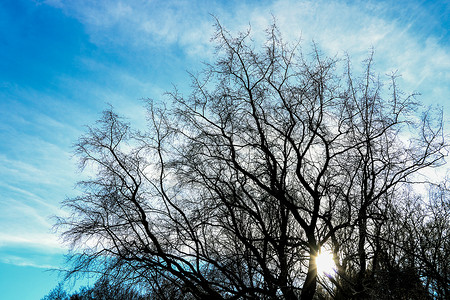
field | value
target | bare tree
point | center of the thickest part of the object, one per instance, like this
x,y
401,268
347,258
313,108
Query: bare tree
x,y
233,190
428,229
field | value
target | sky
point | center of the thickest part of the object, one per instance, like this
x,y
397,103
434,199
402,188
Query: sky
x,y
64,61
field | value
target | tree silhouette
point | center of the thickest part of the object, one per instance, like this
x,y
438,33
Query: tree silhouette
x,y
234,189
58,293
103,289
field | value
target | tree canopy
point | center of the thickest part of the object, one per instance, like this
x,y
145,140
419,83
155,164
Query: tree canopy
x,y
234,189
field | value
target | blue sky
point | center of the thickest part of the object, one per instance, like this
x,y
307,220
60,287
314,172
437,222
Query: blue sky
x,y
61,62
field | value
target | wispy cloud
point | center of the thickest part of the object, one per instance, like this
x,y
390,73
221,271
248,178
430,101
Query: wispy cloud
x,y
140,23
35,248
405,35
24,262
41,241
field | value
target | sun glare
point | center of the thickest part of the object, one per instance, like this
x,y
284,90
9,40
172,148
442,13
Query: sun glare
x,y
325,263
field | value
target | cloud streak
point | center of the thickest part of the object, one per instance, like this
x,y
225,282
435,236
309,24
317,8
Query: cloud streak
x,y
23,262
405,35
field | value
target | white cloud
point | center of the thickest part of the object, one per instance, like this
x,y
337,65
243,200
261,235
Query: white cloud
x,y
351,26
20,201
141,23
24,262
42,241
27,223
338,26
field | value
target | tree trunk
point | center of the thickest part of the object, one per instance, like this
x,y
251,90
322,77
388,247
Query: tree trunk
x,y
362,227
309,287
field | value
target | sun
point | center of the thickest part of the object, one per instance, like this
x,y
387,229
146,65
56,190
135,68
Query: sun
x,y
325,263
